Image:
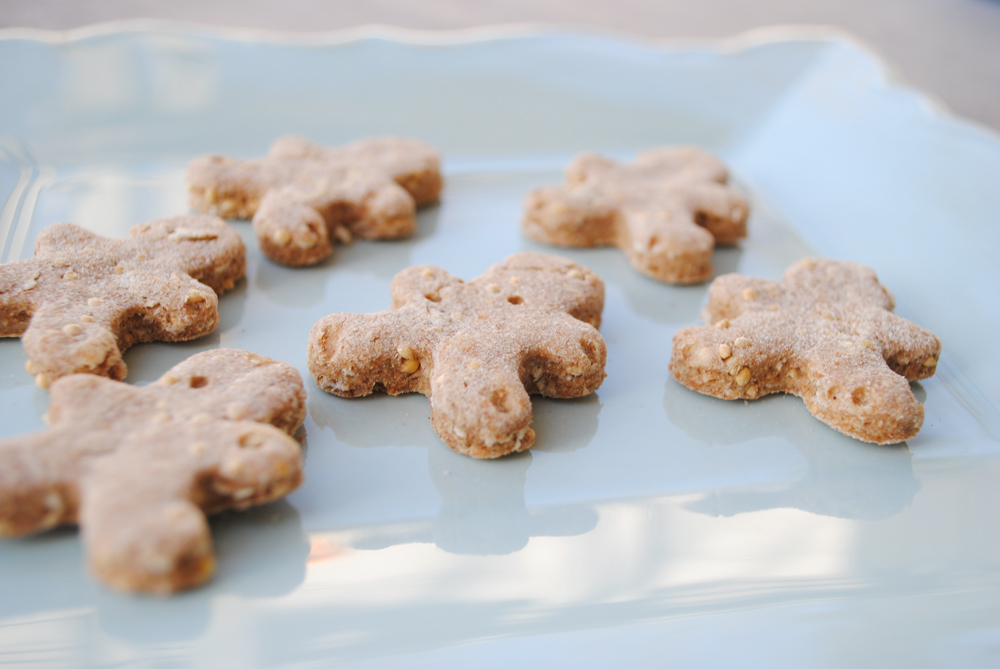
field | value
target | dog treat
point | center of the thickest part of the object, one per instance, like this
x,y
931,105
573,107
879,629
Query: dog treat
x,y
825,333
477,349
303,197
667,210
83,299
138,468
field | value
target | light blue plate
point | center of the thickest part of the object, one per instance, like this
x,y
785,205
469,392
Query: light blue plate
x,y
650,525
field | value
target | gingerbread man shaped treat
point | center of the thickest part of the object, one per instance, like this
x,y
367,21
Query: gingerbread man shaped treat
x,y
825,333
477,349
83,299
667,211
138,468
303,197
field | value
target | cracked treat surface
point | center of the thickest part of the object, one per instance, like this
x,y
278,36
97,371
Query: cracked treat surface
x,y
83,299
304,198
666,211
138,468
477,349
826,333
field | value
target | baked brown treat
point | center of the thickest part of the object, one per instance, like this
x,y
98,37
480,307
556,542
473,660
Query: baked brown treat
x,y
138,468
666,211
825,333
83,299
303,197
477,349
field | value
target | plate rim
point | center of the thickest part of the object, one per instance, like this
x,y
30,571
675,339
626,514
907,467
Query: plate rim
x,y
884,74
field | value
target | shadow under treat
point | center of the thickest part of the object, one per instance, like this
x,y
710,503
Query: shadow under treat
x,y
12,362
483,510
845,478
261,553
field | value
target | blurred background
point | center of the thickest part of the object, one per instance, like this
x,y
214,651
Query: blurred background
x,y
950,49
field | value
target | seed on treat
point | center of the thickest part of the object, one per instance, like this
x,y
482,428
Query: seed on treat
x,y
168,379
749,294
237,411
410,366
459,432
743,377
181,234
741,342
53,501
513,280
43,381
306,241
86,319
723,324
930,362
427,274
30,367
94,302
493,288
59,263
406,352
119,269
725,351
281,237
195,297
232,466
343,235
72,330
28,285
251,440
751,392
576,274
473,364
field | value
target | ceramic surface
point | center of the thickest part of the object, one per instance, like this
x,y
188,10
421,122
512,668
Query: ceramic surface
x,y
650,525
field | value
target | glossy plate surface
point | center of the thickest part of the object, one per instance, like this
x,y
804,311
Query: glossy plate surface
x,y
650,525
